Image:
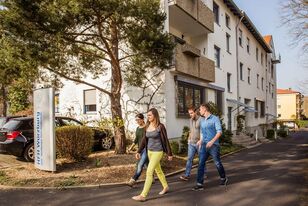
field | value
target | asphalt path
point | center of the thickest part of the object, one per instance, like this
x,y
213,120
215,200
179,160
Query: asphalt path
x,y
272,174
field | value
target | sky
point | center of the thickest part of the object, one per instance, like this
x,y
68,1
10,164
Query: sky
x,y
265,15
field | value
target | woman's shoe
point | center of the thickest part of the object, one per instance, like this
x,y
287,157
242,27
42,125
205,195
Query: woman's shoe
x,y
139,198
164,191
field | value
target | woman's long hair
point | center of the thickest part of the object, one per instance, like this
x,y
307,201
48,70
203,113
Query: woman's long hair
x,y
156,118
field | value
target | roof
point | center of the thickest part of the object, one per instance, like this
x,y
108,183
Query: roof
x,y
248,23
286,91
268,39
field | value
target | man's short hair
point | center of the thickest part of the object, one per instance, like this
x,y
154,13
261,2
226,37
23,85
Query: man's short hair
x,y
139,116
192,108
207,107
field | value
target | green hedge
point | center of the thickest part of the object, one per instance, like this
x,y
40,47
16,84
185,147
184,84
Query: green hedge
x,y
270,134
74,142
175,147
282,133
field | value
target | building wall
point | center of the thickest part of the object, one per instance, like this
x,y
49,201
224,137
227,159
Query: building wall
x,y
305,106
229,65
286,106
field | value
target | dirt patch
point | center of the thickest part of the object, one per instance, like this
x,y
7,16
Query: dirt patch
x,y
99,168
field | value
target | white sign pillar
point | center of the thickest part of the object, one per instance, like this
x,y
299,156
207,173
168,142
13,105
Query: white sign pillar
x,y
44,129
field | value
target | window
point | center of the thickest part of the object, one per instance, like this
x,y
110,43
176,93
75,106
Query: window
x,y
240,37
262,109
262,56
266,60
188,95
217,56
89,100
262,83
257,80
248,45
57,109
216,12
229,82
279,106
228,42
256,108
269,87
248,76
257,54
272,71
227,21
219,101
279,115
241,71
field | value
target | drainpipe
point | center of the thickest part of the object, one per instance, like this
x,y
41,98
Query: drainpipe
x,y
237,59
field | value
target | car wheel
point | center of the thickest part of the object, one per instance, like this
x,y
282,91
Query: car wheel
x,y
29,153
107,143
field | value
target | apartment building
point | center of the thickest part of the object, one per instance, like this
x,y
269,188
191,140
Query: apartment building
x,y
219,56
290,104
305,107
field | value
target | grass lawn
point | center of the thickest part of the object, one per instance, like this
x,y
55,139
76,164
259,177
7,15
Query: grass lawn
x,y
303,123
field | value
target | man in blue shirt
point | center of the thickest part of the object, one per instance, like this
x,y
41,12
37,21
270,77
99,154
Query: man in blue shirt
x,y
211,131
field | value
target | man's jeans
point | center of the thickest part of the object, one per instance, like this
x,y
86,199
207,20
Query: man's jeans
x,y
142,162
193,149
204,154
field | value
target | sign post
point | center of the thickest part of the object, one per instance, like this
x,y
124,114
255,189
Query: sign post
x,y
44,129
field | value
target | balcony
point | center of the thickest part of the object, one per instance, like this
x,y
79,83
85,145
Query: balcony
x,y
191,17
188,61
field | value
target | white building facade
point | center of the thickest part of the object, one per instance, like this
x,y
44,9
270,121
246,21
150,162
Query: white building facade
x,y
219,57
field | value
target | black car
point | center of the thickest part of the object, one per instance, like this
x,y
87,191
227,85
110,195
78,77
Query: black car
x,y
17,136
4,120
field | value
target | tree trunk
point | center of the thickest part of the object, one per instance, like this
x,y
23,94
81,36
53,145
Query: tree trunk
x,y
115,97
4,101
118,124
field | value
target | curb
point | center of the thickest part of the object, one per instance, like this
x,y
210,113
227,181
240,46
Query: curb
x,y
119,184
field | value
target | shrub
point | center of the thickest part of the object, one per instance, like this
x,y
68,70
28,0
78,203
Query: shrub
x,y
240,123
184,140
225,139
175,147
282,133
270,134
74,142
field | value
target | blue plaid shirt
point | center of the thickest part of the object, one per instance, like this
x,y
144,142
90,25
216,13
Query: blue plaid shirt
x,y
210,126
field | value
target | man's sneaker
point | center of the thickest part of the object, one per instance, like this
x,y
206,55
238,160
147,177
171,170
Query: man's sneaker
x,y
185,178
224,181
131,182
198,187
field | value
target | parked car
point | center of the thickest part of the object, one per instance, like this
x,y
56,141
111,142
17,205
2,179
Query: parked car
x,y
4,120
17,136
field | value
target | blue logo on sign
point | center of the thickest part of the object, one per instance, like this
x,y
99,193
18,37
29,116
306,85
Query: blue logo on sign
x,y
38,128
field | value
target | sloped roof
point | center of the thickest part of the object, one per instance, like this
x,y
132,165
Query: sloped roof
x,y
268,39
286,91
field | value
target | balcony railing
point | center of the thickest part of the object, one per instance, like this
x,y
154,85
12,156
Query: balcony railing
x,y
188,60
197,10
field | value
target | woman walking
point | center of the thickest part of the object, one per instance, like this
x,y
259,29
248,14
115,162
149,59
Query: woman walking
x,y
156,142
137,141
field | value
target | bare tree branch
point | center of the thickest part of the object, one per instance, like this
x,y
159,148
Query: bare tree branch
x,y
79,81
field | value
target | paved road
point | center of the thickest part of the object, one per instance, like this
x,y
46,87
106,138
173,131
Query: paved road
x,y
271,174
